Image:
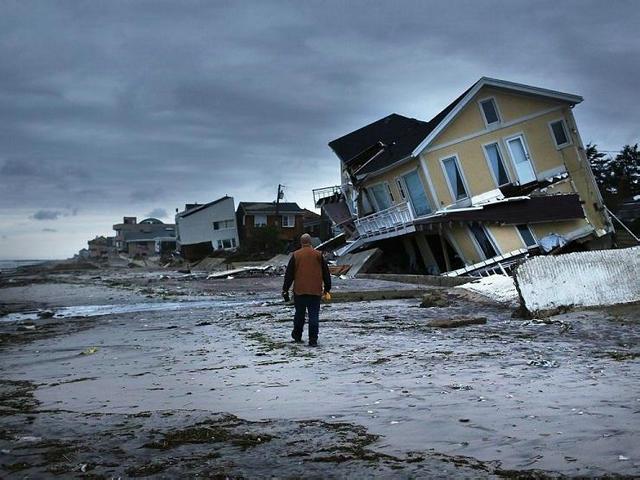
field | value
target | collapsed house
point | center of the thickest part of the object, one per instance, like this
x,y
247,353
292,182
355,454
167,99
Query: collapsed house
x,y
203,228
499,174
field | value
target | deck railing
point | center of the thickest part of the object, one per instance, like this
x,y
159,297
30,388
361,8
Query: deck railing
x,y
320,193
397,218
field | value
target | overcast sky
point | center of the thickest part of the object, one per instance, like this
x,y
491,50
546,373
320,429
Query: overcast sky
x,y
135,108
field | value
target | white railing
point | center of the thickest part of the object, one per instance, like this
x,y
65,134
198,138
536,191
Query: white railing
x,y
399,217
498,264
320,193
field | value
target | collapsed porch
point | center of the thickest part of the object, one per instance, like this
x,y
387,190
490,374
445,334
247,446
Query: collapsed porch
x,y
424,243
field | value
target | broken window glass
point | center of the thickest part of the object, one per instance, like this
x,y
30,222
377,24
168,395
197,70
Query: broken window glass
x,y
496,164
455,178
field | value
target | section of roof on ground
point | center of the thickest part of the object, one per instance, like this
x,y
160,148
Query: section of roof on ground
x,y
199,208
394,138
270,207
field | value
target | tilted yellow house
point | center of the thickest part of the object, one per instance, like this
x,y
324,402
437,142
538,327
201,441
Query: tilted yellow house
x,y
499,174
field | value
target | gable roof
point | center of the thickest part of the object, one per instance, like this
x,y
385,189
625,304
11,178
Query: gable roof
x,y
251,208
395,138
466,97
199,208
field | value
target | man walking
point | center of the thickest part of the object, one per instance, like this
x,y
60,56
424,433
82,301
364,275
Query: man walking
x,y
307,271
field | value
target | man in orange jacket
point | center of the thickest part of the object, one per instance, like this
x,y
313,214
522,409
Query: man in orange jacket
x,y
307,271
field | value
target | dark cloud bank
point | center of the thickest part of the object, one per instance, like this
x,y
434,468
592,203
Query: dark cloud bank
x,y
123,106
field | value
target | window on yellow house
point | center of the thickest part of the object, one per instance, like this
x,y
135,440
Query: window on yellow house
x,y
490,111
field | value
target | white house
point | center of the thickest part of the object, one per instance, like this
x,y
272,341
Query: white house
x,y
202,229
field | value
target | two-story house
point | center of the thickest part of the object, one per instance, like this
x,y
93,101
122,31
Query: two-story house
x,y
286,217
499,173
145,238
203,228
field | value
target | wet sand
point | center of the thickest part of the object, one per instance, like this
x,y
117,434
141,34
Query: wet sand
x,y
158,373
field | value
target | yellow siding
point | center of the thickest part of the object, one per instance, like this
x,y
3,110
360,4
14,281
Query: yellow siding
x,y
507,237
511,107
474,165
561,228
463,241
396,173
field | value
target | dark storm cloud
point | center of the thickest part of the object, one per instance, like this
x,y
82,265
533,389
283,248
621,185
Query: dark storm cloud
x,y
157,213
46,215
54,214
125,105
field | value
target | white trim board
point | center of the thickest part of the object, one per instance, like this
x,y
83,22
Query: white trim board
x,y
487,125
456,201
567,133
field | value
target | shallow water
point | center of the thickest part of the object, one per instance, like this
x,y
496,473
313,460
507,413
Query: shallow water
x,y
98,310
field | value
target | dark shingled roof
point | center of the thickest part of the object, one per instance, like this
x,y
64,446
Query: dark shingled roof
x,y
196,208
386,141
269,207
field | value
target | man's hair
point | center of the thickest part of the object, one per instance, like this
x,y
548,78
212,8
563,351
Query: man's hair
x,y
305,239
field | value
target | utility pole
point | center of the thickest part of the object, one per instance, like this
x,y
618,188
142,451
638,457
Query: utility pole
x,y
278,197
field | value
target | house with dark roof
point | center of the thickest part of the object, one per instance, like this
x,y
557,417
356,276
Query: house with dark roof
x,y
203,228
286,217
475,188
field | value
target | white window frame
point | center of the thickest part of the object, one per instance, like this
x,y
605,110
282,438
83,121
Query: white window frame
x,y
255,221
491,238
504,162
498,112
464,179
391,196
407,197
290,221
522,239
566,133
505,141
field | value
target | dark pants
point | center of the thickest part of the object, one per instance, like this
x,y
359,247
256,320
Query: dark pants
x,y
303,303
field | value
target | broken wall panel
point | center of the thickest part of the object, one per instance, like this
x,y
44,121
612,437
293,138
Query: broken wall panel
x,y
602,277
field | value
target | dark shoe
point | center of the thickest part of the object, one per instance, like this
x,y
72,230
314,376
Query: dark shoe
x,y
313,344
296,339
